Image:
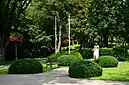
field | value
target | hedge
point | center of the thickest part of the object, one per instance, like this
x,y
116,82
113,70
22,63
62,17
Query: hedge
x,y
87,53
106,51
120,53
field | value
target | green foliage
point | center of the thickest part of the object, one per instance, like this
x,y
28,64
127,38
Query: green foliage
x,y
86,53
107,18
12,11
73,47
84,69
53,57
90,20
106,51
25,66
120,53
10,15
76,54
67,60
111,45
107,61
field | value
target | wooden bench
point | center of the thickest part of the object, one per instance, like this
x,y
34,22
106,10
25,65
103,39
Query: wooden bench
x,y
50,63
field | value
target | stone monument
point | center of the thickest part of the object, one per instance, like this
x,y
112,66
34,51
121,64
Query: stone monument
x,y
96,51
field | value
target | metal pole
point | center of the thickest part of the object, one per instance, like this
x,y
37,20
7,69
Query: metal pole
x,y
55,36
69,33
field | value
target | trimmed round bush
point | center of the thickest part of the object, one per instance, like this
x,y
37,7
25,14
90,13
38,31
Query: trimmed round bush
x,y
76,54
67,60
53,57
25,66
107,61
84,69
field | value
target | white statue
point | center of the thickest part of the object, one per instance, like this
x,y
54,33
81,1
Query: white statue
x,y
96,51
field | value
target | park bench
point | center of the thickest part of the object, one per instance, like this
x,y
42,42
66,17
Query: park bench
x,y
50,63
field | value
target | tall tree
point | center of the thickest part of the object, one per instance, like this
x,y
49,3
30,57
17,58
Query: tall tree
x,y
10,11
105,16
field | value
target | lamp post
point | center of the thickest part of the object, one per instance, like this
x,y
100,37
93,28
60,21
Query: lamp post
x,y
16,38
69,33
55,36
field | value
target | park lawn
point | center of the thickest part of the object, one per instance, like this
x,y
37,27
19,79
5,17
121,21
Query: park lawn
x,y
121,73
3,70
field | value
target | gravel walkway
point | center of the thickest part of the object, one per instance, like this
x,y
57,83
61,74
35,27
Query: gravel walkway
x,y
56,77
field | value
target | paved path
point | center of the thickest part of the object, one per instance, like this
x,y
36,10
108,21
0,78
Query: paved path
x,y
55,77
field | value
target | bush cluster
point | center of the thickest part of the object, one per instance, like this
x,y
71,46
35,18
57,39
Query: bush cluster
x,y
53,57
120,53
107,61
86,53
84,69
67,60
25,66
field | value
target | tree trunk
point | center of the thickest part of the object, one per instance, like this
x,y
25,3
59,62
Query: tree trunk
x,y
105,38
59,41
16,51
81,41
2,48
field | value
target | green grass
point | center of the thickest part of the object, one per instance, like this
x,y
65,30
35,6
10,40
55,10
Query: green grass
x,y
3,70
121,73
